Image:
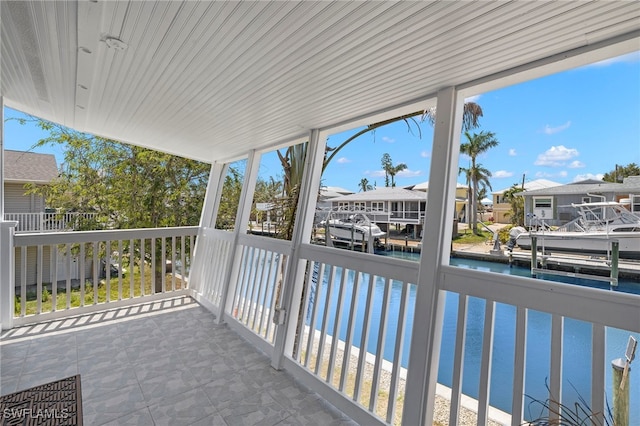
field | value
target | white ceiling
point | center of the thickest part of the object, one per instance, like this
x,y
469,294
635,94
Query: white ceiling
x,y
212,80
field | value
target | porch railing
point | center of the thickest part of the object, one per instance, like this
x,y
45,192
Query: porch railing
x,y
61,274
47,222
357,310
354,330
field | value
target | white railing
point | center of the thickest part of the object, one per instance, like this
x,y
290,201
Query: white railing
x,y
47,222
243,282
211,266
356,316
355,307
256,284
61,274
598,308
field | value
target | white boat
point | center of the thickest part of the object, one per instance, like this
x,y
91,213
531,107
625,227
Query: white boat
x,y
597,225
357,228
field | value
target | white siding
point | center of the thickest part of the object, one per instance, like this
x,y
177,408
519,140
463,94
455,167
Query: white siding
x,y
16,201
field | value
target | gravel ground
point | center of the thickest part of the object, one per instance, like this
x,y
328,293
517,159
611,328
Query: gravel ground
x,y
467,417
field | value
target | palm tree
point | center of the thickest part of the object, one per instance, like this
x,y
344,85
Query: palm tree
x,y
481,175
394,170
477,144
471,114
387,164
517,204
365,185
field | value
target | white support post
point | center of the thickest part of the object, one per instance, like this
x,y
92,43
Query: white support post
x,y
242,218
425,340
208,216
7,274
293,282
212,197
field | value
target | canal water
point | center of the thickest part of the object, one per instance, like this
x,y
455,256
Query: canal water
x,y
576,384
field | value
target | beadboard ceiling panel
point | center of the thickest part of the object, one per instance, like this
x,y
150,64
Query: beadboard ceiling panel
x,y
212,80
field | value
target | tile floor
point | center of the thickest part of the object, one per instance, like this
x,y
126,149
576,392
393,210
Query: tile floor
x,y
160,363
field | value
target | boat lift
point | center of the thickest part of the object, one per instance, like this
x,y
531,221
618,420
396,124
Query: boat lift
x,y
612,262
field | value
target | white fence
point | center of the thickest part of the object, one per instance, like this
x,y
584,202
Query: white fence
x,y
47,222
100,269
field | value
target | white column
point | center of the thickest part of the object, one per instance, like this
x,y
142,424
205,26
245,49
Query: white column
x,y
207,219
422,374
7,274
212,197
294,280
242,219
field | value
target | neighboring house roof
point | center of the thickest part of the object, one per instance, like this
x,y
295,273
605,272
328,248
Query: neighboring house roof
x,y
629,185
385,194
532,185
424,186
21,166
327,192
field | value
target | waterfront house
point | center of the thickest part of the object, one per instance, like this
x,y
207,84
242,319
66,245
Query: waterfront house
x,y
462,198
553,204
222,81
387,205
501,206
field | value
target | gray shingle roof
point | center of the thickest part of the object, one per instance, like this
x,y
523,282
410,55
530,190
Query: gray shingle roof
x,y
385,194
533,186
21,166
630,185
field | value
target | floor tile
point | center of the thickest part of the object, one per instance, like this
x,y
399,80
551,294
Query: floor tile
x,y
169,367
183,409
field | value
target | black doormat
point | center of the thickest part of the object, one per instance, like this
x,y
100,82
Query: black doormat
x,y
55,403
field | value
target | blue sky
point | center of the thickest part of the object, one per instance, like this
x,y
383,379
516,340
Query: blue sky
x,y
566,127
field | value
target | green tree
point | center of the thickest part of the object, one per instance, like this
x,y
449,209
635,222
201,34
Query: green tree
x,y
229,199
391,170
293,162
125,186
516,215
364,185
621,172
267,191
481,175
477,144
471,114
386,164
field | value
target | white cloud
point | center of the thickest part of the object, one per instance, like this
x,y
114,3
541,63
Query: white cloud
x,y
388,139
409,173
545,175
576,164
512,152
585,176
343,160
425,154
501,174
374,173
551,130
556,156
475,98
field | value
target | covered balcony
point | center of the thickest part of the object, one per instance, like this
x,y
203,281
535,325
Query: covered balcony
x,y
200,325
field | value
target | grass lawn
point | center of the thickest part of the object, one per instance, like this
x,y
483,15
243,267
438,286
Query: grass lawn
x,y
75,299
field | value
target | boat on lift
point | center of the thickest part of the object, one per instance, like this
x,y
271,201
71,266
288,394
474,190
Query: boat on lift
x,y
354,229
592,232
